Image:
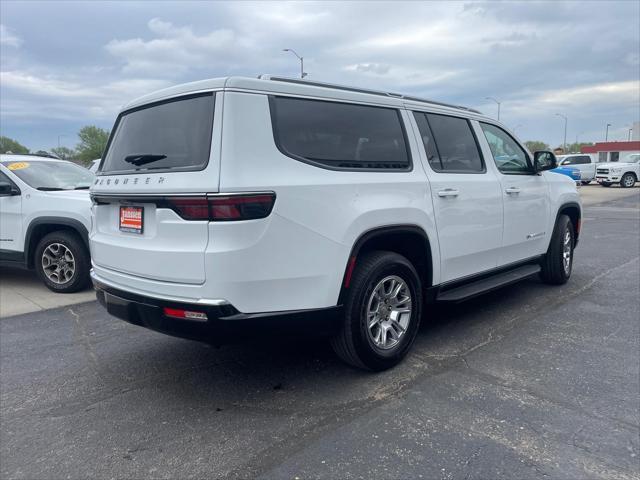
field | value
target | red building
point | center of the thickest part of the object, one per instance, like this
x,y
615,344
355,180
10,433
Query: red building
x,y
612,151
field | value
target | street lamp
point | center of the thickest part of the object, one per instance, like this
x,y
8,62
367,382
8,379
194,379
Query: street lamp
x,y
302,72
491,98
61,135
564,144
606,135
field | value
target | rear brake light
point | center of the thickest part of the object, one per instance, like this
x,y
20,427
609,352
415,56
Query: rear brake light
x,y
190,208
241,207
222,207
185,314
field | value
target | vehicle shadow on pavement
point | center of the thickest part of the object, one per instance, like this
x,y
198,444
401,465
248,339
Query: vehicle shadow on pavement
x,y
292,375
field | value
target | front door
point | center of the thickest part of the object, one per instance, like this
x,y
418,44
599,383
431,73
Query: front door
x,y
10,219
525,198
465,194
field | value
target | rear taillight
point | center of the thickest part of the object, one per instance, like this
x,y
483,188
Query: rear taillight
x,y
241,207
220,208
190,208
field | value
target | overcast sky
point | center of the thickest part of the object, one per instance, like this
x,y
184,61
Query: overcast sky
x,y
66,65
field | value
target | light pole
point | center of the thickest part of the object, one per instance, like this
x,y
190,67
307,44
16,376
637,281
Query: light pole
x,y
302,72
491,98
606,135
564,144
629,136
62,135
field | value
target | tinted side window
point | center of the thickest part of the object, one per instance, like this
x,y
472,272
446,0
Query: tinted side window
x,y
427,139
508,155
340,135
456,144
577,160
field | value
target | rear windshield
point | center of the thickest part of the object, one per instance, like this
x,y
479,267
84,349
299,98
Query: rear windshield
x,y
174,135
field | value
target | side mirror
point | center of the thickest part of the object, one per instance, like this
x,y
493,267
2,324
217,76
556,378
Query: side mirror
x,y
8,190
544,160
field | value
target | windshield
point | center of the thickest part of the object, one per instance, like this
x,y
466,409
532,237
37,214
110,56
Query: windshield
x,y
51,175
175,134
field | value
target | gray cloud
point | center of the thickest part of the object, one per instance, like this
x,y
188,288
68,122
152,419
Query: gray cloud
x,y
8,38
538,57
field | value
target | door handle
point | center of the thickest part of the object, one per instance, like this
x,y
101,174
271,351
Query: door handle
x,y
512,190
448,192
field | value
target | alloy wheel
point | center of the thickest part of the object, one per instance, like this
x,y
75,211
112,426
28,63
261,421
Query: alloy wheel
x,y
566,252
58,263
389,312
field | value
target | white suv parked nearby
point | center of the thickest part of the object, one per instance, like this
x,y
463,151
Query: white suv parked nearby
x,y
45,218
240,205
626,173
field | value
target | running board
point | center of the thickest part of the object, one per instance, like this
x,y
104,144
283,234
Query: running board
x,y
478,287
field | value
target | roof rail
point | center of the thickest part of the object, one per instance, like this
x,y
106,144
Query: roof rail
x,y
364,90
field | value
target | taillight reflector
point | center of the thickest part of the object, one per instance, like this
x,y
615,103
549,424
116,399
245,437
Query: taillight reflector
x,y
184,314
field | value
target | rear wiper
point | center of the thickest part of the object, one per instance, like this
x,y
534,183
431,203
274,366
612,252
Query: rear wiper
x,y
50,189
143,158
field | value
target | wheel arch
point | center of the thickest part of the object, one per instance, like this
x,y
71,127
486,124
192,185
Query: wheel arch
x,y
410,241
41,226
574,212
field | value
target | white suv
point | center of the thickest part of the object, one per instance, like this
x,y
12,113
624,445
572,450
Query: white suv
x,y
45,218
236,205
626,172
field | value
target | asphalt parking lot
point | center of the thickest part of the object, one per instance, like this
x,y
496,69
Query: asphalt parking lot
x,y
531,381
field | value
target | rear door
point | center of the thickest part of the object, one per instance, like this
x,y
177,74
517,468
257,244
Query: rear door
x,y
465,194
160,156
525,196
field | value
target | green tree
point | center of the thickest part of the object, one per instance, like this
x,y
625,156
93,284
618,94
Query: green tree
x,y
10,145
64,153
575,147
535,145
93,141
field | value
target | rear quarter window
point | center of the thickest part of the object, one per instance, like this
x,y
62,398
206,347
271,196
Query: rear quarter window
x,y
174,134
340,135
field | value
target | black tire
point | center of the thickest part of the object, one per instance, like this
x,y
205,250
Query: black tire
x,y
628,180
354,343
79,279
586,182
553,266
605,184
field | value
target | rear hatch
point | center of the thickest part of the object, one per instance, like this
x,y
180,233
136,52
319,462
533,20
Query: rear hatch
x,y
161,161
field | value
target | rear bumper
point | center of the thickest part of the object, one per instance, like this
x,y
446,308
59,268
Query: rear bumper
x,y
224,323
